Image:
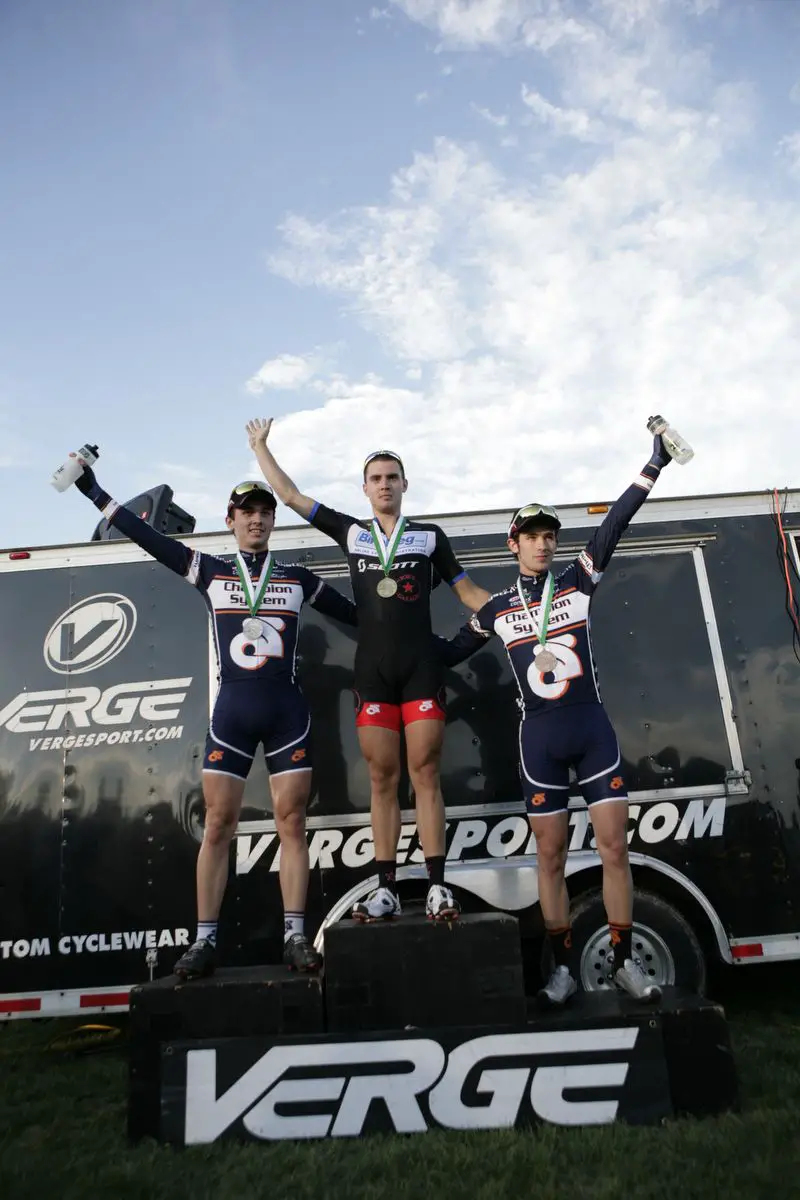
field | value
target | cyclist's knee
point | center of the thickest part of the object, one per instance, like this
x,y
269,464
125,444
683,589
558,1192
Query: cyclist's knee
x,y
220,823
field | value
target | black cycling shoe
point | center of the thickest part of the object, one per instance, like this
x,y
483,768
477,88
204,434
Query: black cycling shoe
x,y
199,960
300,955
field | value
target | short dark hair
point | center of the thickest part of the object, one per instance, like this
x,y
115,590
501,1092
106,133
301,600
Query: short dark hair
x,y
386,455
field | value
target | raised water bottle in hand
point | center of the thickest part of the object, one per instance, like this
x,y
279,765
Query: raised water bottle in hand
x,y
676,446
72,469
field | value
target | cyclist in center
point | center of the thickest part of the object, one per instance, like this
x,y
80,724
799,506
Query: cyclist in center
x,y
398,667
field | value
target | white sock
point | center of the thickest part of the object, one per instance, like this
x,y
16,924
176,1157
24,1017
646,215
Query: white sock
x,y
293,922
207,931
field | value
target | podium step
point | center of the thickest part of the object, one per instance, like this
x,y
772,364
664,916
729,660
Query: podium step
x,y
415,972
603,1059
239,1002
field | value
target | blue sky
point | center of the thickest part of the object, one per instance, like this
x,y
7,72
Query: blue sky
x,y
494,234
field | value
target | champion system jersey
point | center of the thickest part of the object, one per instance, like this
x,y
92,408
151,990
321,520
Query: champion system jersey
x,y
269,657
272,655
574,679
422,548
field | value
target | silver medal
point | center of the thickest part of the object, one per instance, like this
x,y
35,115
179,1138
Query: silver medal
x,y
252,628
545,661
387,587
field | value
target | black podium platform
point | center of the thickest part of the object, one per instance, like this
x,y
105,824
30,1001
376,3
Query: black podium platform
x,y
419,972
413,1027
241,1002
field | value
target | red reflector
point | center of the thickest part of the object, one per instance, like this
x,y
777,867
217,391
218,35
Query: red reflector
x,y
104,999
753,950
17,554
31,1004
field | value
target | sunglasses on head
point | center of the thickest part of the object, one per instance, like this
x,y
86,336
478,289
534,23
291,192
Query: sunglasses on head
x,y
382,454
251,485
533,510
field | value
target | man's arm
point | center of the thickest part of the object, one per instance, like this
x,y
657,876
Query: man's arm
x,y
600,547
173,554
450,569
328,600
470,637
469,593
284,488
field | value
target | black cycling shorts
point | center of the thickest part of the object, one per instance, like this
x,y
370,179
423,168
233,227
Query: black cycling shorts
x,y
398,686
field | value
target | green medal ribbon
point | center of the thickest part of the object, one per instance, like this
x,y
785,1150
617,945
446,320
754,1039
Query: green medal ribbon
x,y
254,603
386,548
544,608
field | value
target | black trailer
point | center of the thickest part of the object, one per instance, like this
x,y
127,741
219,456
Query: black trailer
x,y
108,676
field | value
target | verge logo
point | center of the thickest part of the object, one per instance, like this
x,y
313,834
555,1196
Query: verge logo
x,y
492,1082
90,634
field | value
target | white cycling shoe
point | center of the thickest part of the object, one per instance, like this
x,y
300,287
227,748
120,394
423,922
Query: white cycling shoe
x,y
441,904
380,905
558,989
631,978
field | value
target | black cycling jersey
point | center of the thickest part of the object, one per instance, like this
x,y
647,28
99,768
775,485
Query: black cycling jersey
x,y
404,617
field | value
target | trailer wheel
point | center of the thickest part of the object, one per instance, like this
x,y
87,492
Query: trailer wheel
x,y
664,943
192,814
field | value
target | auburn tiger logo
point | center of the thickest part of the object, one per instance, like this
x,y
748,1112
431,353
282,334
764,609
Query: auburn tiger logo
x,y
298,756
617,783
539,798
215,756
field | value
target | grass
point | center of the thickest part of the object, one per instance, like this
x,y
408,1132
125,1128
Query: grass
x,y
62,1134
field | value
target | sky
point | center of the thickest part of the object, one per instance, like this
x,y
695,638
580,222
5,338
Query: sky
x,y
492,235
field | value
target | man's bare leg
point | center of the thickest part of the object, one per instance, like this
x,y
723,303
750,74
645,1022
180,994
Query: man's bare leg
x,y
223,800
290,791
424,745
381,749
424,751
610,824
551,831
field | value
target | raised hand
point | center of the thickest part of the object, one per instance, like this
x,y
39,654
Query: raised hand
x,y
660,457
87,480
258,431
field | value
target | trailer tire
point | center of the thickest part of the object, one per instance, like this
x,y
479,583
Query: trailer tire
x,y
663,942
192,814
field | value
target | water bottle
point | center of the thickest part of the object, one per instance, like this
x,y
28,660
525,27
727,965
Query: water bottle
x,y
72,469
676,446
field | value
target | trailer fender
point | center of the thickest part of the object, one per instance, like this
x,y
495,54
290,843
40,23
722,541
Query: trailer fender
x,y
511,885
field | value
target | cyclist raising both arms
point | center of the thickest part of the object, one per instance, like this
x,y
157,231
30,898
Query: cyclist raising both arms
x,y
259,701
398,665
544,624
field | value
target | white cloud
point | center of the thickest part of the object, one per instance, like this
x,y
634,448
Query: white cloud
x,y
498,119
568,122
789,148
623,268
421,97
284,373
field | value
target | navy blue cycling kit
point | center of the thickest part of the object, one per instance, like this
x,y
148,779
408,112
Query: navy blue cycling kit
x,y
564,723
259,699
